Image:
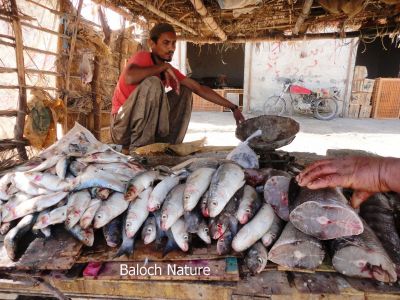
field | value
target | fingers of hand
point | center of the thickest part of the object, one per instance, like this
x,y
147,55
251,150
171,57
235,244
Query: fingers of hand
x,y
331,180
359,197
319,170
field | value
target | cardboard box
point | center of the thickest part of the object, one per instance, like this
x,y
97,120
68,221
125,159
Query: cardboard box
x,y
365,85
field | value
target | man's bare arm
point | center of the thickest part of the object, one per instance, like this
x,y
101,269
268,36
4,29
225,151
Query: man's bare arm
x,y
134,74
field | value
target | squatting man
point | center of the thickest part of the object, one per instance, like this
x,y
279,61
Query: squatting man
x,y
142,113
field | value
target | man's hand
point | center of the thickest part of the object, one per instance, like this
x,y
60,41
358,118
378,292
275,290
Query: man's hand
x,y
237,114
362,174
171,79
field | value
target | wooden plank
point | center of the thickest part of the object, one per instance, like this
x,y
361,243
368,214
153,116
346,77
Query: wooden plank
x,y
8,113
58,253
69,63
96,97
100,252
373,286
318,283
22,99
264,284
181,270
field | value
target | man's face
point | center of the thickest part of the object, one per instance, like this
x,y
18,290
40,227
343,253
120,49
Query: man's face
x,y
165,46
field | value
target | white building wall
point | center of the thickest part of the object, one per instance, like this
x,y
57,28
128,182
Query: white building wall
x,y
322,63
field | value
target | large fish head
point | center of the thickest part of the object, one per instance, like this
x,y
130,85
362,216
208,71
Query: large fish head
x,y
182,239
255,262
224,243
244,214
214,206
131,193
149,233
204,233
88,237
217,228
153,204
100,219
204,206
165,221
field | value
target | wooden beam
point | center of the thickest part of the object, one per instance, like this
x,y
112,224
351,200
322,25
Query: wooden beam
x,y
30,49
122,49
28,87
164,16
208,19
96,97
22,100
303,16
8,19
104,26
69,64
5,36
119,10
8,113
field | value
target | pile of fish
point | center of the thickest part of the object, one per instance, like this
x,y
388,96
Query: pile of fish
x,y
87,186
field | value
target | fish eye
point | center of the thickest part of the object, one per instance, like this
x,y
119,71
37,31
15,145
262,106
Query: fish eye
x,y
186,237
98,216
215,203
206,229
149,229
260,260
158,205
164,216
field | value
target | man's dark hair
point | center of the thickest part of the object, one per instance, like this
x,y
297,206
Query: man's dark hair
x,y
158,29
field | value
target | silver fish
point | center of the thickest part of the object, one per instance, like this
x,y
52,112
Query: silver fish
x,y
139,183
88,216
149,230
93,177
137,213
5,183
51,217
276,193
120,168
62,166
113,232
172,208
203,232
225,182
47,164
273,233
16,234
249,205
295,249
196,185
110,209
256,258
180,234
76,167
128,243
254,230
85,236
32,205
160,192
76,206
46,181
108,156
224,243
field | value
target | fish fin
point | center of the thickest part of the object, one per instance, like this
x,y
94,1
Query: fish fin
x,y
127,248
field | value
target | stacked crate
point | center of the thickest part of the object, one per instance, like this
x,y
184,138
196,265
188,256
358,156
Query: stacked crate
x,y
200,104
360,102
386,99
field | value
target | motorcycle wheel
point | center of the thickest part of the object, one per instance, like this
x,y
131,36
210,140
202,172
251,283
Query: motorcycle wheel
x,y
325,109
274,105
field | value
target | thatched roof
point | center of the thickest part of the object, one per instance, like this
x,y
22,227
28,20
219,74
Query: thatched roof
x,y
269,19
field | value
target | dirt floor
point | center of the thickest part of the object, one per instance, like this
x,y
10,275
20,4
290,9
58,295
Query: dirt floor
x,y
377,136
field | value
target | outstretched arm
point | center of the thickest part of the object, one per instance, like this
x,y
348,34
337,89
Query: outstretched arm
x,y
210,95
366,175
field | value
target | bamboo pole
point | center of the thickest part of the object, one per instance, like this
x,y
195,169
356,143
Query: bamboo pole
x,y
96,98
22,102
303,16
69,64
8,113
208,19
122,49
163,15
107,4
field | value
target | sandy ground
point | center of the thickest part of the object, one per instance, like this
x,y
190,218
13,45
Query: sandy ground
x,y
377,136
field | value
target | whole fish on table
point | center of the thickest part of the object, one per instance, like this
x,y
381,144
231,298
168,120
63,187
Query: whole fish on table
x,y
76,206
161,191
149,230
276,193
226,219
110,209
50,217
172,208
269,238
24,182
62,167
128,243
85,236
225,182
181,236
13,237
113,232
139,183
137,213
196,185
249,205
88,216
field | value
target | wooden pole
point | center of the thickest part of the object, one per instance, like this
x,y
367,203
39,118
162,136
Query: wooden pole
x,y
163,15
22,102
96,98
303,16
208,19
69,64
104,25
122,49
